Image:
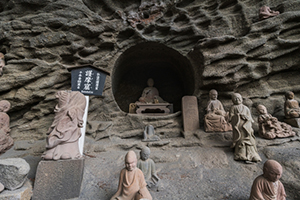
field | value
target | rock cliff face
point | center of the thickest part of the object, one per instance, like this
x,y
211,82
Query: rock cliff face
x,y
188,47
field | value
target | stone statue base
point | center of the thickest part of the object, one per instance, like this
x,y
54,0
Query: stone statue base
x,y
58,179
295,122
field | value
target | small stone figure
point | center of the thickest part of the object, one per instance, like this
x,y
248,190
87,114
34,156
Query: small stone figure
x,y
243,135
149,134
267,185
265,12
270,127
64,133
150,94
132,184
216,118
291,110
2,63
6,142
147,166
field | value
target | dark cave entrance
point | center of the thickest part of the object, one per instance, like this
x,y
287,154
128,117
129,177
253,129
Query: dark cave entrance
x,y
172,73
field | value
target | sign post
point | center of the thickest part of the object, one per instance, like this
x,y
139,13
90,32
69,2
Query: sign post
x,y
88,80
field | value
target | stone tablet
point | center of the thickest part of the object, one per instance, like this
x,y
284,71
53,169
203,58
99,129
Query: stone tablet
x,y
190,115
58,179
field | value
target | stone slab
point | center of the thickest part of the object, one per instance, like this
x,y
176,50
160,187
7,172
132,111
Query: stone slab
x,y
23,193
58,179
190,115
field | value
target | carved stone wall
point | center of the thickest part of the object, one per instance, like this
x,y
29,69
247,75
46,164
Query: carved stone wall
x,y
204,44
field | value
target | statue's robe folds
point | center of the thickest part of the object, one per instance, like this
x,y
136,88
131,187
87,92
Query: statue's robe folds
x,y
134,190
262,189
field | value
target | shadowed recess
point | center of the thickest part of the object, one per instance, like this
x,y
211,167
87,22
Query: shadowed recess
x,y
172,74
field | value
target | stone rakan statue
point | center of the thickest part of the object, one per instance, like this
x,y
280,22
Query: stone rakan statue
x,y
132,184
270,127
2,63
150,94
63,135
265,12
216,118
291,110
147,166
149,134
6,142
242,133
267,186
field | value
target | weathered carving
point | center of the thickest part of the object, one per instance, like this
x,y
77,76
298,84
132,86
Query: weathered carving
x,y
267,185
63,135
6,142
265,12
270,127
132,184
149,134
216,118
147,166
243,135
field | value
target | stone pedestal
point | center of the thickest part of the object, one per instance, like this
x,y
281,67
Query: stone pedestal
x,y
23,193
295,122
58,179
190,115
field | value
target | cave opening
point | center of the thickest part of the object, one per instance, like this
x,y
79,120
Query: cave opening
x,y
172,73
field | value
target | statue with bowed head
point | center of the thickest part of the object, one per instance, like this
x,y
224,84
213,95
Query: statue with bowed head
x,y
242,134
270,127
132,184
64,133
147,166
267,185
216,118
291,110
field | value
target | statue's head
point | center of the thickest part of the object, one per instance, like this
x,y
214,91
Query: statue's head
x,y
213,94
4,106
289,95
150,82
130,161
237,98
145,153
272,170
262,109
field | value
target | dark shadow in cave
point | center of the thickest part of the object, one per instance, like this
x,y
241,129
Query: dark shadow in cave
x,y
172,73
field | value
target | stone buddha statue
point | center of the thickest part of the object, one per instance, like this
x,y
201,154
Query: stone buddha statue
x,y
291,110
150,94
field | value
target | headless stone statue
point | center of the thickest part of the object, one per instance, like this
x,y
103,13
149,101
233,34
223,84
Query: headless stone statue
x,y
132,185
270,127
149,134
291,110
267,186
147,166
242,134
64,133
216,118
6,142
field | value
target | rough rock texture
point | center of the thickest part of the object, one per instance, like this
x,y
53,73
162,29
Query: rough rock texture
x,y
23,193
13,172
187,46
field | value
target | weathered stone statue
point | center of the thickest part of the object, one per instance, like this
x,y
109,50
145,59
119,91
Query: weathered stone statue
x,y
216,118
243,135
147,166
63,135
2,63
149,134
150,94
265,12
6,142
291,110
267,185
132,184
270,127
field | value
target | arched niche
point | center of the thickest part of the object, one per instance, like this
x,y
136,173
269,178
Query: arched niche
x,y
172,73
